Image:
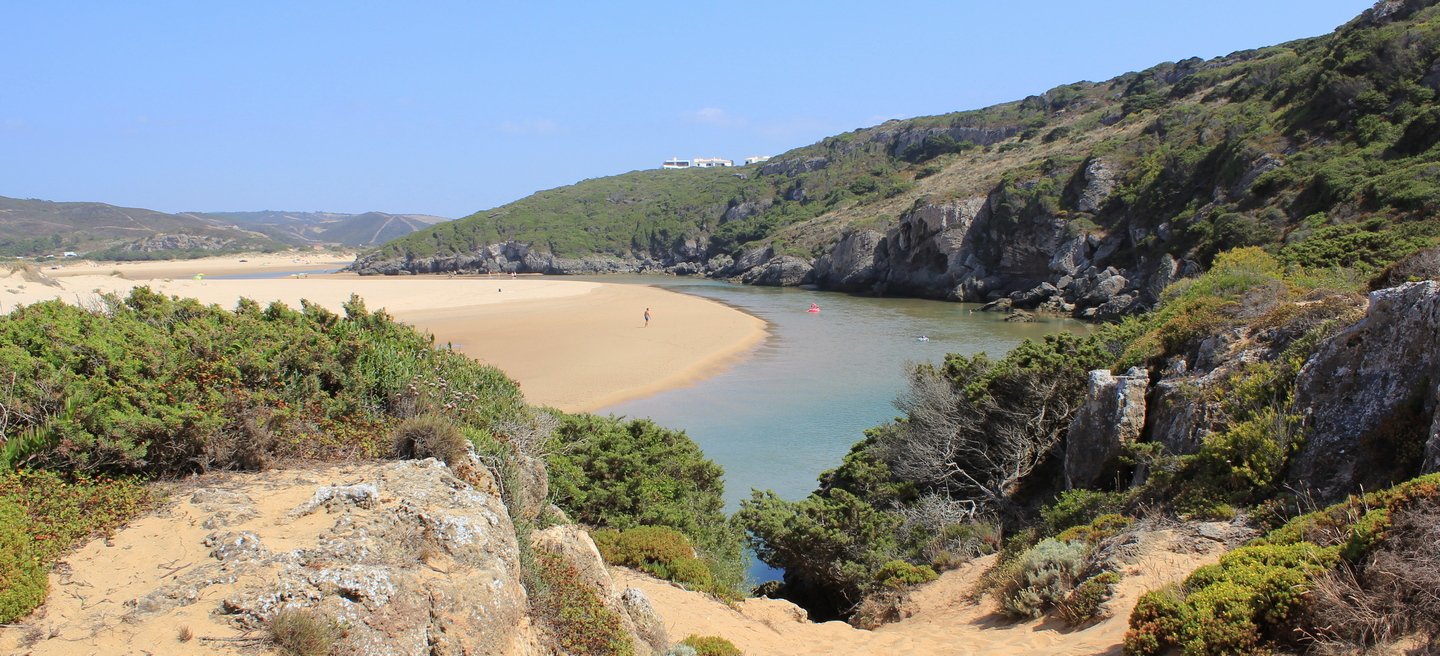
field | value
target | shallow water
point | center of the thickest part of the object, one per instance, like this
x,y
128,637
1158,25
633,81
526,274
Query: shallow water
x,y
792,408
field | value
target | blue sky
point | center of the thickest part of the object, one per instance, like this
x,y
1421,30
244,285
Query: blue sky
x,y
452,107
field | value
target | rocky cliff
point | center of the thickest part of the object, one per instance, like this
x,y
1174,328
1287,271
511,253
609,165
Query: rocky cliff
x,y
1363,404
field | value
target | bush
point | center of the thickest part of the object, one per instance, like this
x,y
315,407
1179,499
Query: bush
x,y
24,579
1078,507
1044,575
430,436
45,514
611,473
1100,528
1083,604
659,551
711,646
900,574
154,385
1423,264
300,632
573,612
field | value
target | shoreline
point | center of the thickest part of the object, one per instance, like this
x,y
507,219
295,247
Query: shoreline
x,y
575,345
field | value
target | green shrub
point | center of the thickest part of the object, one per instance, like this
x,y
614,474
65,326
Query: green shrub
x,y
302,632
44,514
1156,622
899,574
660,551
150,384
1045,574
1083,603
577,618
430,436
611,473
24,579
1078,507
1101,527
711,646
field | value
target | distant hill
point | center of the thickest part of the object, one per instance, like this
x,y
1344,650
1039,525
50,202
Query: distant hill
x,y
30,227
305,228
36,227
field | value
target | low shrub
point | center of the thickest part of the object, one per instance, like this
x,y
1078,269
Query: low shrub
x,y
302,632
1083,604
44,514
430,436
1101,527
575,617
660,551
1043,576
899,574
1260,595
1077,507
711,646
24,579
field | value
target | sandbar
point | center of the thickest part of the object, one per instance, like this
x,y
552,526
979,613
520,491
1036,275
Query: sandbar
x,y
574,345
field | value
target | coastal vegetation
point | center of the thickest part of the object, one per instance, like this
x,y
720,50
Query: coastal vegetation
x,y
97,402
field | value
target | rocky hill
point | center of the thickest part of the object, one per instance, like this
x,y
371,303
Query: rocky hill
x,y
307,228
39,227
1086,198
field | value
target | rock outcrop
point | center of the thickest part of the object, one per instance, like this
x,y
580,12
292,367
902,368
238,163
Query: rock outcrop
x,y
409,557
1370,394
1112,416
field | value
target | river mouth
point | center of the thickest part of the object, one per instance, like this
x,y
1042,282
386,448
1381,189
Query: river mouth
x,y
792,409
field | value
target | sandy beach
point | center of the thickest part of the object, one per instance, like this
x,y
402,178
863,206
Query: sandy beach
x,y
577,346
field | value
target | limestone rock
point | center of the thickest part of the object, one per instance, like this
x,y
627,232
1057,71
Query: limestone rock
x,y
1370,396
1113,415
1099,184
783,271
850,264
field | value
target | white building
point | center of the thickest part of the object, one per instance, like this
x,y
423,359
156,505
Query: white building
x,y
696,163
756,159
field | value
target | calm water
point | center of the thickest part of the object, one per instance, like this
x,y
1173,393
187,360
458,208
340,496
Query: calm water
x,y
794,407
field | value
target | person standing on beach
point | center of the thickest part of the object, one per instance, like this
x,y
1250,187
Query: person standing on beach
x,y
647,317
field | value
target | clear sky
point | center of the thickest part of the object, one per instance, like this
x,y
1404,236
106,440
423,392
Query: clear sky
x,y
452,107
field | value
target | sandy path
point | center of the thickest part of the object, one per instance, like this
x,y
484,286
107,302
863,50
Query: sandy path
x,y
944,619
574,345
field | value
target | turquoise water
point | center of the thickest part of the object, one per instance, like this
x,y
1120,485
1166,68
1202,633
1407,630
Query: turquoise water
x,y
793,407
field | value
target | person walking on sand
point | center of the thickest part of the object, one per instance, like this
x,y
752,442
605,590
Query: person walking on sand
x,y
647,317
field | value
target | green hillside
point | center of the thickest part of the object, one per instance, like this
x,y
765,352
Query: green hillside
x,y
1320,150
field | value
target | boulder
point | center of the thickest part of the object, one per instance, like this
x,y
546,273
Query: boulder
x,y
1111,417
783,271
1370,395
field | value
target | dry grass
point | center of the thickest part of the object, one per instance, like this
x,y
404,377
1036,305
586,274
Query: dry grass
x,y
1393,596
302,632
430,436
185,634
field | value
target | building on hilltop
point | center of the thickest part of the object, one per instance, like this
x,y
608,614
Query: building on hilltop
x,y
756,159
696,163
